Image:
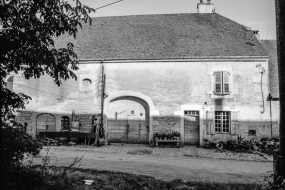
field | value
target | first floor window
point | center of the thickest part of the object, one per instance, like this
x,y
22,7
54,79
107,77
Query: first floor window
x,y
222,83
65,124
222,122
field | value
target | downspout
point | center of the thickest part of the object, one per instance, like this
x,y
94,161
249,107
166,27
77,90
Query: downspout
x,y
270,99
262,70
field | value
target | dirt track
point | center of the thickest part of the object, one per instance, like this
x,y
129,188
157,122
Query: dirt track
x,y
163,167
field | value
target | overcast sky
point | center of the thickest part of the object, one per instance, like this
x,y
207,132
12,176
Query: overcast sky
x,y
257,14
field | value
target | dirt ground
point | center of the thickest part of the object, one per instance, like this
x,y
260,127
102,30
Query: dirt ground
x,y
161,166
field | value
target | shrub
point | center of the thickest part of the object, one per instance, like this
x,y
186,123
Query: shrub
x,y
270,185
15,144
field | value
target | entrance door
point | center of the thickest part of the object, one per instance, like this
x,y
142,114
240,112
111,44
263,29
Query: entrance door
x,y
127,122
191,128
45,122
137,131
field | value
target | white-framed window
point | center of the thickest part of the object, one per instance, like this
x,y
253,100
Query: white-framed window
x,y
65,123
222,83
222,122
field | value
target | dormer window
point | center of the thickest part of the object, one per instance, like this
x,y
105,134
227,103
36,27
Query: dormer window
x,y
222,83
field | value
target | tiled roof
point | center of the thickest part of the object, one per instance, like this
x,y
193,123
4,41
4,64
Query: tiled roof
x,y
271,48
163,36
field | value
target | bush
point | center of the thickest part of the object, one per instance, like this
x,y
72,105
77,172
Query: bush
x,y
270,185
275,139
15,145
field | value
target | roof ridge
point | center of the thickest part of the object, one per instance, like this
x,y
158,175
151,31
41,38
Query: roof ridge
x,y
150,15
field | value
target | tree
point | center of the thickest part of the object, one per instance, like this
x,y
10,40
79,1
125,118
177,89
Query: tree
x,y
27,32
280,24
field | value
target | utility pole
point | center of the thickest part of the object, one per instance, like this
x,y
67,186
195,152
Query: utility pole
x,y
102,94
279,169
102,98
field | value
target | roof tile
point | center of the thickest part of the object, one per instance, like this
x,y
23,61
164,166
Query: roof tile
x,y
163,36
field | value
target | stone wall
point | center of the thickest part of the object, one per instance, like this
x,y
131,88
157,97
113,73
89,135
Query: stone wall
x,y
173,87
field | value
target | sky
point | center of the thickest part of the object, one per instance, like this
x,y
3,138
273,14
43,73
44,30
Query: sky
x,y
257,14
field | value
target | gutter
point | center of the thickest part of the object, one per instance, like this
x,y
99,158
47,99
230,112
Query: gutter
x,y
178,59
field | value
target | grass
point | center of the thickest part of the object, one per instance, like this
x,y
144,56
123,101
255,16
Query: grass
x,y
108,180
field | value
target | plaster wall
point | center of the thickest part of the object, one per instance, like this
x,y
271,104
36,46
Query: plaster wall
x,y
173,87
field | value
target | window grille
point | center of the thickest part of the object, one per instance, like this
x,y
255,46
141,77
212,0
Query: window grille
x,y
222,122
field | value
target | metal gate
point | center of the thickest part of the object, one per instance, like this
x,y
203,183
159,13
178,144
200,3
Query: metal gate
x,y
191,128
45,122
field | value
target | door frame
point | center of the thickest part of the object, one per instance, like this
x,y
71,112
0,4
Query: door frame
x,y
198,115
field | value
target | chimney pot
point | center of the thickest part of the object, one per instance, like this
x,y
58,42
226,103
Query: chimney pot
x,y
205,7
257,35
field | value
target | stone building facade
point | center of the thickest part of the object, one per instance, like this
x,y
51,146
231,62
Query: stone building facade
x,y
200,74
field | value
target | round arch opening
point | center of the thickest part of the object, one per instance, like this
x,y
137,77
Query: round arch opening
x,y
137,97
128,120
45,122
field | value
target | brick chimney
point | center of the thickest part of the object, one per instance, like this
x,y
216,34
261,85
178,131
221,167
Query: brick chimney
x,y
205,7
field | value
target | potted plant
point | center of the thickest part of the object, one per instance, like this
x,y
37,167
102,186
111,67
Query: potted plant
x,y
176,135
170,136
164,136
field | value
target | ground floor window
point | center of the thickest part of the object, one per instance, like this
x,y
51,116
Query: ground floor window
x,y
222,122
65,124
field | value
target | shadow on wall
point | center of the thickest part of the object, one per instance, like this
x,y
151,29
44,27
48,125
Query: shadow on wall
x,y
136,130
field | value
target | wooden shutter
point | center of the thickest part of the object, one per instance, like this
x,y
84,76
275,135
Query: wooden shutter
x,y
218,82
226,82
235,122
210,122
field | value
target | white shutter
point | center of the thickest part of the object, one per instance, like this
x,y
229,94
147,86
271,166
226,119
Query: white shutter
x,y
226,82
210,122
235,122
218,82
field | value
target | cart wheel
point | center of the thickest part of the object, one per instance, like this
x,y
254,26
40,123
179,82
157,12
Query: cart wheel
x,y
220,146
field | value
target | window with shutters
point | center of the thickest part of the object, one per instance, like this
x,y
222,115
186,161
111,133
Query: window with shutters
x,y
222,83
222,122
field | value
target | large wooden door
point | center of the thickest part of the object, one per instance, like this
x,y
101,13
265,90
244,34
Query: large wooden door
x,y
45,122
126,122
191,128
137,131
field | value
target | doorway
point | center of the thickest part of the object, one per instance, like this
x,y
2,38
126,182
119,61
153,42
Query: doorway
x,y
127,121
191,128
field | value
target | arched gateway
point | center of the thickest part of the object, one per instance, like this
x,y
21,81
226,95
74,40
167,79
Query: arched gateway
x,y
129,117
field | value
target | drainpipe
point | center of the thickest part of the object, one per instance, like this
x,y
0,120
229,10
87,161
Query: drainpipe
x,y
262,71
270,99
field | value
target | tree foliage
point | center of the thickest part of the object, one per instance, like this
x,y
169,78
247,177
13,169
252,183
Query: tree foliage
x,y
27,32
28,29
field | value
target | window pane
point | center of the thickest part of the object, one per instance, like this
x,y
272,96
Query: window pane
x,y
227,90
218,87
218,76
226,77
222,122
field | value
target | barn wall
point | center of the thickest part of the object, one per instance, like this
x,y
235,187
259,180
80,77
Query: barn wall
x,y
173,87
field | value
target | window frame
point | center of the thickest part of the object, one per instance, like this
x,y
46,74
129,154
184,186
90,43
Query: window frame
x,y
222,123
67,122
223,82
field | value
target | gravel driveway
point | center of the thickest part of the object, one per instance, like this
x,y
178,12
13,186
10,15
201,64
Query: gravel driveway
x,y
188,163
